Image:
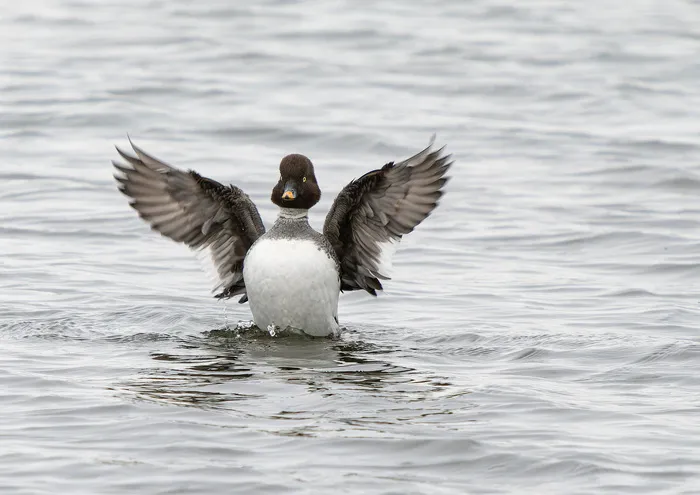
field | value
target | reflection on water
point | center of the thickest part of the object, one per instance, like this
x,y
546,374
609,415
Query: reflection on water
x,y
203,371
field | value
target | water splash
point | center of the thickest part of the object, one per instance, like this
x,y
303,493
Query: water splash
x,y
225,316
272,329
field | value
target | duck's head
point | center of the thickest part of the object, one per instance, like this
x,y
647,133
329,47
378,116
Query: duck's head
x,y
297,187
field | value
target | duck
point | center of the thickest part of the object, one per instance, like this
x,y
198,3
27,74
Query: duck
x,y
290,275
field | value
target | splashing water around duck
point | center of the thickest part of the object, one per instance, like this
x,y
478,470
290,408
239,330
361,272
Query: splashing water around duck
x,y
225,317
272,329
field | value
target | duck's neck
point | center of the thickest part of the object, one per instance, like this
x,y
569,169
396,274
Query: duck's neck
x,y
294,214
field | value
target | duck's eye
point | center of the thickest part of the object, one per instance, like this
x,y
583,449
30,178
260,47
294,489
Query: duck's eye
x,y
304,179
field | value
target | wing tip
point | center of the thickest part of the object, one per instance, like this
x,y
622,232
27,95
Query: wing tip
x,y
431,142
126,156
138,150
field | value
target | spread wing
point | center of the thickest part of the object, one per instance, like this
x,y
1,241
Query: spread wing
x,y
194,210
377,209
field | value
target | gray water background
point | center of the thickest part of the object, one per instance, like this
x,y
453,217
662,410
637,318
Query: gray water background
x,y
540,333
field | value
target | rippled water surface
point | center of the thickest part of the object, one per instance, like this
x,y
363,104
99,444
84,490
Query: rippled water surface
x,y
540,333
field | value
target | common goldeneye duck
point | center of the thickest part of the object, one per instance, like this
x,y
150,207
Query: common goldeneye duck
x,y
291,274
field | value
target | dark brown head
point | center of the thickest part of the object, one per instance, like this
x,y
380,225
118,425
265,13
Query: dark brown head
x,y
297,187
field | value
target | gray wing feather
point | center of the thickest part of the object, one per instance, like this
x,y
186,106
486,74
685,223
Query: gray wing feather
x,y
379,207
194,210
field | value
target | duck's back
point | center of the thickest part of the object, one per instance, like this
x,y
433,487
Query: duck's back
x,y
291,277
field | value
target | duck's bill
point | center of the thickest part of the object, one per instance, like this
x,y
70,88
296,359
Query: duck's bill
x,y
289,193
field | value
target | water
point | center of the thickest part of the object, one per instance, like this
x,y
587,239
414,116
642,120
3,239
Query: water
x,y
540,331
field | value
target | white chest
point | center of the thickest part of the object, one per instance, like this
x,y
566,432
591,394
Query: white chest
x,y
292,283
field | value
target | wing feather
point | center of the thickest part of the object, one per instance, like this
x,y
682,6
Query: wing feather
x,y
194,210
380,207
